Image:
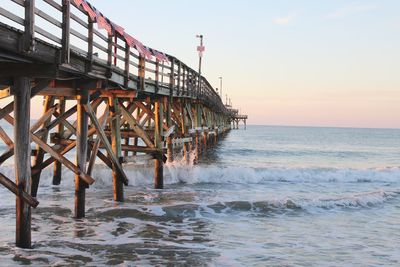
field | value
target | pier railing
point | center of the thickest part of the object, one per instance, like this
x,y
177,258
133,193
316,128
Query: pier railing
x,y
70,29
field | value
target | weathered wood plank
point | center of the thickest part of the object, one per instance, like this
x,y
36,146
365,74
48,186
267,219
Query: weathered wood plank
x,y
135,126
65,40
10,185
29,23
22,160
6,139
62,159
6,155
56,155
34,91
158,164
81,152
96,145
105,142
40,155
135,159
115,126
57,173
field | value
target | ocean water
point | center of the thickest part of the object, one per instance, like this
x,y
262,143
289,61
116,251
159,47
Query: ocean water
x,y
267,196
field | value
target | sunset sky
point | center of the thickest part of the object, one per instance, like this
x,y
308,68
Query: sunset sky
x,y
331,63
318,63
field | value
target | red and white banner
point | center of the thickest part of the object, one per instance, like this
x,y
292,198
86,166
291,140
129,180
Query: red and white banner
x,y
118,28
89,10
102,23
78,2
145,51
160,56
109,26
137,45
129,39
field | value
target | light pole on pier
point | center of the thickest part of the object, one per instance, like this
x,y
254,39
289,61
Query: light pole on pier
x,y
200,49
220,86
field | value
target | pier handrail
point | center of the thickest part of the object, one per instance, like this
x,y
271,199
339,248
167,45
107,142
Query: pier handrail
x,y
76,35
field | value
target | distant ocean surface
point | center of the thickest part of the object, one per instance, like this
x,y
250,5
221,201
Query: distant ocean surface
x,y
267,196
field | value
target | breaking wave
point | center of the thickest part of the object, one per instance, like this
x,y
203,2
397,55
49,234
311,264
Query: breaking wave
x,y
252,208
179,173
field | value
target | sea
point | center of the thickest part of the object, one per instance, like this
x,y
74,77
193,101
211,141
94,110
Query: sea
x,y
265,196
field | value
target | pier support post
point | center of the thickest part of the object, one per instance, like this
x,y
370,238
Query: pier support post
x,y
205,140
49,101
57,165
191,146
136,139
127,139
170,149
158,162
186,153
115,126
197,146
81,152
22,160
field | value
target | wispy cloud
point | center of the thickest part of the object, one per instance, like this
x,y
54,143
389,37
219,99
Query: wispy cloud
x,y
284,20
350,10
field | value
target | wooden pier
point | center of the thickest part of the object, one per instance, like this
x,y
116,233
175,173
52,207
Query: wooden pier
x,y
235,117
106,95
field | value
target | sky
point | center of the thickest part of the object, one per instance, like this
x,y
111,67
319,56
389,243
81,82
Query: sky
x,y
286,62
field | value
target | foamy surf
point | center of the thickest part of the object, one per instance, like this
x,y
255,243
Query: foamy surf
x,y
179,172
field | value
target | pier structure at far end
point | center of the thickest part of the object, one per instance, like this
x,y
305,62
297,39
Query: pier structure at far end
x,y
235,117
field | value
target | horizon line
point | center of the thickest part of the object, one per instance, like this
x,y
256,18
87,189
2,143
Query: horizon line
x,y
321,126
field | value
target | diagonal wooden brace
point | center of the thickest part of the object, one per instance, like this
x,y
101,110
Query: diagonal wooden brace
x,y
10,185
105,142
67,163
135,126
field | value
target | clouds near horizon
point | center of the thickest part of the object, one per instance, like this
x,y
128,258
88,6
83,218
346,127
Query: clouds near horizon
x,y
284,20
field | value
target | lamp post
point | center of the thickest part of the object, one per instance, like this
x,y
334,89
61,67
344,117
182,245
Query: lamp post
x,y
220,86
200,49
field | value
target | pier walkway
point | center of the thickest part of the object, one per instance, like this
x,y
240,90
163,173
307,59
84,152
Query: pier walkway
x,y
107,97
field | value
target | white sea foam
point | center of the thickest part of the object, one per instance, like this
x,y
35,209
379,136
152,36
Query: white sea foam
x,y
245,175
180,172
279,205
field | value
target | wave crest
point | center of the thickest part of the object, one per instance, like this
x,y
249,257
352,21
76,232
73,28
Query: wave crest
x,y
197,174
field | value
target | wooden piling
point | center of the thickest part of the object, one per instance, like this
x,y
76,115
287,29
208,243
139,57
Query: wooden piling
x,y
57,165
170,151
136,139
81,152
115,126
49,101
158,162
22,160
205,140
191,145
127,140
197,146
186,152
